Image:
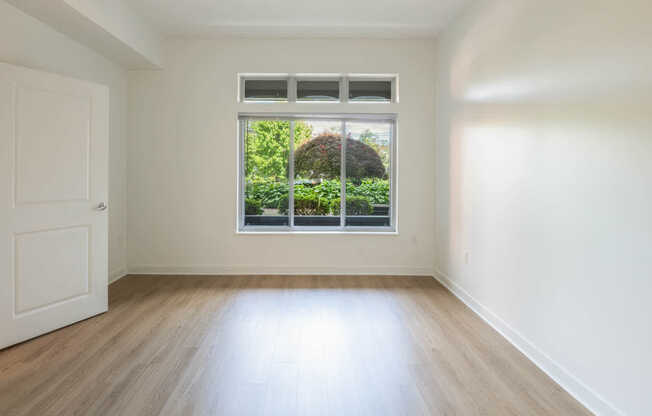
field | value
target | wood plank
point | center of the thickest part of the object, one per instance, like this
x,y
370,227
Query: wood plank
x,y
277,345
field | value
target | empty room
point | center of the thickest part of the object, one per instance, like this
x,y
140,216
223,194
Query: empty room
x,y
345,207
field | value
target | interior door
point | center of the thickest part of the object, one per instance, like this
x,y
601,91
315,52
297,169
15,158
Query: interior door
x,y
53,195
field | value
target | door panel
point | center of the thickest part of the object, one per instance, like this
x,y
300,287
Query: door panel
x,y
51,170
53,174
60,254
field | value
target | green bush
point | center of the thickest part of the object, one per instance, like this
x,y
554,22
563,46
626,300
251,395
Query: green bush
x,y
376,190
273,194
311,206
327,189
253,207
355,205
306,205
268,191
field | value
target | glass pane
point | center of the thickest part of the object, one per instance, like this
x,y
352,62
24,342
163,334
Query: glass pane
x,y
370,91
368,157
266,156
318,90
317,173
266,90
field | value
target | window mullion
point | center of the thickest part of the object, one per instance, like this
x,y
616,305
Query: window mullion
x,y
343,177
291,177
243,135
292,90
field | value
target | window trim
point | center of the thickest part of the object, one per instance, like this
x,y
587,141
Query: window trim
x,y
392,229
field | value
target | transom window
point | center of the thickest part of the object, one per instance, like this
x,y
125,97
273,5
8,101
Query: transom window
x,y
319,88
319,172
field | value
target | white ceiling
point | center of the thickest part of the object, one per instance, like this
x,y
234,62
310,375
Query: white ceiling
x,y
299,18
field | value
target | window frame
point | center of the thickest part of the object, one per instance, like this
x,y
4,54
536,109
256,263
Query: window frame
x,y
389,118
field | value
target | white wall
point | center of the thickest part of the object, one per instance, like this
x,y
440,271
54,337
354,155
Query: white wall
x,y
544,177
182,159
28,42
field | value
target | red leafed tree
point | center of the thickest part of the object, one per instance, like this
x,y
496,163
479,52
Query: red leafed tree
x,y
321,156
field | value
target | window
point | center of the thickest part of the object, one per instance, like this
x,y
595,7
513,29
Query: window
x,y
374,91
318,90
266,89
338,88
323,172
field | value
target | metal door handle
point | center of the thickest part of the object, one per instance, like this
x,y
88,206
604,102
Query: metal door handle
x,y
102,207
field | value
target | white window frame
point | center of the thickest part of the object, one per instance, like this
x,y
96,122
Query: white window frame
x,y
343,79
391,119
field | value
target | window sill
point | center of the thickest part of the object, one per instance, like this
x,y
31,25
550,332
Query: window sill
x,y
316,232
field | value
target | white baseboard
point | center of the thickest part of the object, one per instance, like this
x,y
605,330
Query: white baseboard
x,y
281,270
576,388
116,275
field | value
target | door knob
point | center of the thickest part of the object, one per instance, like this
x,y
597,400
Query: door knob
x,y
102,207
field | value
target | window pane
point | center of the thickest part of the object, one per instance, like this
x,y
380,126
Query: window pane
x,y
368,156
317,173
370,91
266,90
318,90
266,155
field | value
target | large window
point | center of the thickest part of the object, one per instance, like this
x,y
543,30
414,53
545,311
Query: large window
x,y
328,173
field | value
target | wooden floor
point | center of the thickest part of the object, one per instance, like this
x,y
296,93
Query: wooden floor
x,y
306,345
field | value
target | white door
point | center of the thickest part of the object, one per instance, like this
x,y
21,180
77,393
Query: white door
x,y
53,180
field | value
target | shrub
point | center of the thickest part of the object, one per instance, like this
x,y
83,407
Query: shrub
x,y
321,157
311,206
268,191
253,207
306,205
376,190
355,205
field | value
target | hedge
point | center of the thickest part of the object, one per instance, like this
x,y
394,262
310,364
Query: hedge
x,y
253,207
355,205
309,205
271,192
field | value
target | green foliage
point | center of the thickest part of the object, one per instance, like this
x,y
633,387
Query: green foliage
x,y
266,170
355,205
268,191
311,205
376,190
327,189
306,205
267,147
253,207
273,194
321,158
